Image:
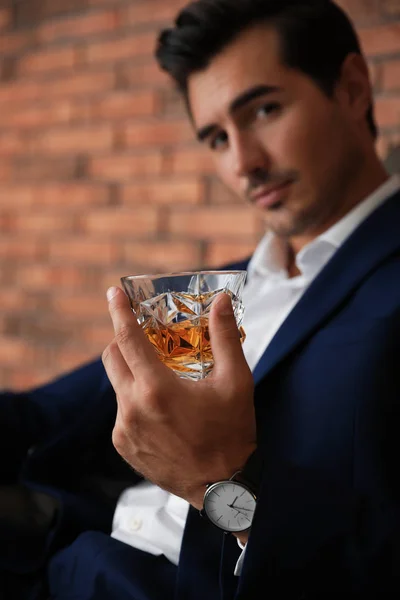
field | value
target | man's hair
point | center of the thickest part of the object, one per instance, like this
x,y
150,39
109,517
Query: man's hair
x,y
316,37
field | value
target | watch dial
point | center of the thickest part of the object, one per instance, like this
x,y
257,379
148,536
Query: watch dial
x,y
230,506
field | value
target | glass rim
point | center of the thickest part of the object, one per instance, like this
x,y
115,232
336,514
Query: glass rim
x,y
183,273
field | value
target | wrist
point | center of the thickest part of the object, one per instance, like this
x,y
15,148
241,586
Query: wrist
x,y
222,470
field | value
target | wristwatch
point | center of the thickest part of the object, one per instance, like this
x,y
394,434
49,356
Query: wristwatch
x,y
230,504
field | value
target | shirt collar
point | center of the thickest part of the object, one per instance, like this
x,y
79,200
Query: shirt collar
x,y
270,256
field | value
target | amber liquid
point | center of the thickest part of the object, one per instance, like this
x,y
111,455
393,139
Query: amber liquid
x,y
185,346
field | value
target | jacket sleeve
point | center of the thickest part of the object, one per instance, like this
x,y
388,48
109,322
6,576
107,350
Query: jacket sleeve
x,y
28,418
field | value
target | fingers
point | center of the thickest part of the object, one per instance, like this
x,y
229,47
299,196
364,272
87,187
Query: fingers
x,y
225,337
116,368
133,345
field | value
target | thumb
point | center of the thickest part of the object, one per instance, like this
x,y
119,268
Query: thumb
x,y
225,336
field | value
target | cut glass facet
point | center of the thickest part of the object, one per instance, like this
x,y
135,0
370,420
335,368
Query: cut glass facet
x,y
174,310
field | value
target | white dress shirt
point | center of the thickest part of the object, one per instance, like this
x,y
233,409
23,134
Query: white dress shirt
x,y
153,520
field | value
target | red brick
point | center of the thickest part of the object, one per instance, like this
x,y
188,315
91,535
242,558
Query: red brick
x,y
44,169
219,254
12,299
5,171
7,69
16,195
375,75
391,7
163,257
83,252
72,195
97,3
48,60
11,43
11,144
361,11
42,277
84,139
77,27
32,12
57,113
69,359
5,18
12,249
391,75
151,12
381,40
111,277
82,84
147,73
208,223
387,111
125,166
61,194
195,160
121,48
14,93
117,222
97,335
190,191
157,133
80,306
12,351
29,378
123,105
42,223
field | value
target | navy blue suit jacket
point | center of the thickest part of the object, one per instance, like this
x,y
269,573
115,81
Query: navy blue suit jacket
x,y
327,401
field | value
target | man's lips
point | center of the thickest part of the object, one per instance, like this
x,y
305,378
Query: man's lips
x,y
270,195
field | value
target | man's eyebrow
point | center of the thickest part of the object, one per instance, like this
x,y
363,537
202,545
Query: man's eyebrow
x,y
251,94
243,99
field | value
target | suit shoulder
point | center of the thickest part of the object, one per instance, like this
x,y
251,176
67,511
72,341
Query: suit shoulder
x,y
380,291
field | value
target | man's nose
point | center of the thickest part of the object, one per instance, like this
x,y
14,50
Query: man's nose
x,y
248,155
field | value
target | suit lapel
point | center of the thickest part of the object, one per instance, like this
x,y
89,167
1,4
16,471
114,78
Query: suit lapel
x,y
370,244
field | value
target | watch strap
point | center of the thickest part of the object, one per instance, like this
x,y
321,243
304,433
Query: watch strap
x,y
251,473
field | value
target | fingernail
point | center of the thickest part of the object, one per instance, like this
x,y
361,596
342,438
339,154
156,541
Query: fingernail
x,y
227,308
111,292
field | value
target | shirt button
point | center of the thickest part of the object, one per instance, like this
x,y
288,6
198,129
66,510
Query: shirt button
x,y
135,524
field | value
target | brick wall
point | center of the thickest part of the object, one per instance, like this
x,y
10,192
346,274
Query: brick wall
x,y
99,174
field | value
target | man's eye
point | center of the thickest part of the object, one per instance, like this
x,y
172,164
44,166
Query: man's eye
x,y
219,141
267,109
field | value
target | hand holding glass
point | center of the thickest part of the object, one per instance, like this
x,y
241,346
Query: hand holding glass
x,y
173,310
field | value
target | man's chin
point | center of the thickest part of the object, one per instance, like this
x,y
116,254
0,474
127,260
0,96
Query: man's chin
x,y
282,227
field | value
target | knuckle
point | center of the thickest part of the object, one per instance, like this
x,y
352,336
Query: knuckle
x,y
106,356
109,352
118,438
124,334
152,395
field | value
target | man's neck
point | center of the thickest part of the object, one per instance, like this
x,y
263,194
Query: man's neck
x,y
360,191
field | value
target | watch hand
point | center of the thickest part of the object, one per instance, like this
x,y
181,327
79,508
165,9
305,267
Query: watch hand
x,y
233,503
242,508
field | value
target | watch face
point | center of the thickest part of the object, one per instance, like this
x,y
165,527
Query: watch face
x,y
230,506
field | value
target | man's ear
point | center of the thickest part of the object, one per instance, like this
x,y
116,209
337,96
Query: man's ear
x,y
354,90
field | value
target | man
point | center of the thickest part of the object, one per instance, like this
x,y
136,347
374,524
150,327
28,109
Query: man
x,y
305,418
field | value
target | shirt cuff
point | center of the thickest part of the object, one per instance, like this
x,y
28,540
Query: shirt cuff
x,y
239,564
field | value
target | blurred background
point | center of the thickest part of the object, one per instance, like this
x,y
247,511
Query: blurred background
x,y
99,173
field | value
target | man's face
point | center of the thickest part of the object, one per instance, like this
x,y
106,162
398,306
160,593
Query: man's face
x,y
276,138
